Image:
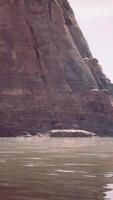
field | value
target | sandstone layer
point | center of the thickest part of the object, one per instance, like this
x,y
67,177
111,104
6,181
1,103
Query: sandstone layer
x,y
48,76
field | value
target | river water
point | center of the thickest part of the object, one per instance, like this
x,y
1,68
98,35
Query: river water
x,y
56,168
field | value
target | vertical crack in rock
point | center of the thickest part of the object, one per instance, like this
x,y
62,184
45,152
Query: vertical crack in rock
x,y
50,9
37,51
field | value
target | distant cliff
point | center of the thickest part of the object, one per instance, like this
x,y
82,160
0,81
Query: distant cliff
x,y
48,76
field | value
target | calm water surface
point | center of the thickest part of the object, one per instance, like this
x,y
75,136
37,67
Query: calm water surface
x,y
56,168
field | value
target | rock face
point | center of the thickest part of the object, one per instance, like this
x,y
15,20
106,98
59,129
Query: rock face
x,y
48,76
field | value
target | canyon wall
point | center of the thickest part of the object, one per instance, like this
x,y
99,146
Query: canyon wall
x,y
48,76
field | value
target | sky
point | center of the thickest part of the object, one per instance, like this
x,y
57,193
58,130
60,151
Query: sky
x,y
95,18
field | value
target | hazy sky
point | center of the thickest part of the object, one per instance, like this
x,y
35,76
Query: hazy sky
x,y
95,18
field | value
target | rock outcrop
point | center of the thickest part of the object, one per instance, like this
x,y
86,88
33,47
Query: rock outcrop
x,y
48,76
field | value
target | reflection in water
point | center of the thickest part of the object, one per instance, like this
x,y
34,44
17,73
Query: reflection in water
x,y
56,168
65,171
109,175
109,193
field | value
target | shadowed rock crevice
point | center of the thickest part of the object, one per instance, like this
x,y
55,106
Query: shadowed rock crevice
x,y
50,9
48,76
37,51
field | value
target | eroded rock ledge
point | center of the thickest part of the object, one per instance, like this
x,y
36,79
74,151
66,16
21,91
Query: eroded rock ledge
x,y
48,76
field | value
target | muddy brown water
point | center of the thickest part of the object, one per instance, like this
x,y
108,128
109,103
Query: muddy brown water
x,y
56,168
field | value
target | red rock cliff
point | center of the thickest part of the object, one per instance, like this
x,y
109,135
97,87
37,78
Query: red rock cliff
x,y
48,76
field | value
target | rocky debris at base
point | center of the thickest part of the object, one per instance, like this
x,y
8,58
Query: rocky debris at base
x,y
71,133
28,134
